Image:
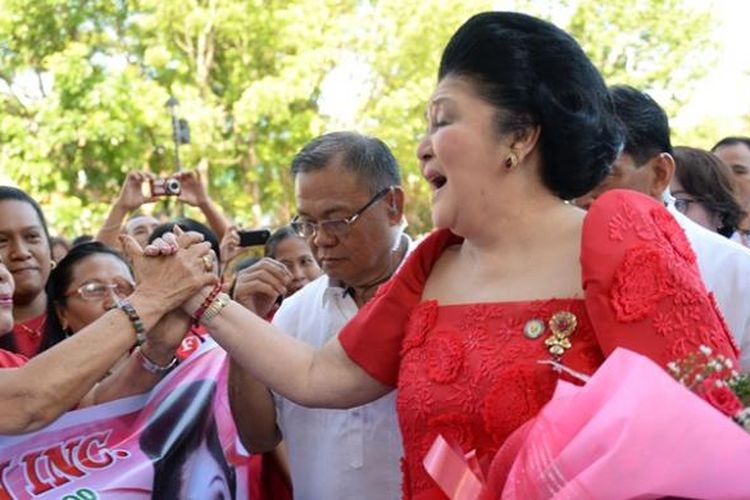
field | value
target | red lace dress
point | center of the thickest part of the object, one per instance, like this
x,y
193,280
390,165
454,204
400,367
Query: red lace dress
x,y
471,372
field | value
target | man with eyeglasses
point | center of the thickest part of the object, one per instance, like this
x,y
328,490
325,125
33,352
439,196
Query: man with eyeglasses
x,y
646,164
350,211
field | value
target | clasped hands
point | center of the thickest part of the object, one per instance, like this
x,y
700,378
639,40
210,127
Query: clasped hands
x,y
170,274
258,288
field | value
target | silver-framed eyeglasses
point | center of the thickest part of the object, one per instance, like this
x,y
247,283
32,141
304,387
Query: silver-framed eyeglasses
x,y
96,290
683,204
337,227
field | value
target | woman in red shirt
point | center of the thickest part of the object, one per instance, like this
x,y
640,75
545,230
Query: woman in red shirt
x,y
516,281
26,250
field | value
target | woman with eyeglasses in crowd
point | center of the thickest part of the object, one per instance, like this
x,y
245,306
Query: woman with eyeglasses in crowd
x,y
705,190
34,392
88,282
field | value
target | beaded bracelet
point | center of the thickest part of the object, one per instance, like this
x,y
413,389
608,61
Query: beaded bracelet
x,y
213,310
140,330
205,304
149,365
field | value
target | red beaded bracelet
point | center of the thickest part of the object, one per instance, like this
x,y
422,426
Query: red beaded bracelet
x,y
198,314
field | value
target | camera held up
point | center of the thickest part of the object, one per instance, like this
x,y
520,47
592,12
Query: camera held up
x,y
165,187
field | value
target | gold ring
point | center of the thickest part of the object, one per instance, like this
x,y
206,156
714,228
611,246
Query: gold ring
x,y
208,263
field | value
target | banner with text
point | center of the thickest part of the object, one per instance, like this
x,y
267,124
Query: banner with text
x,y
178,441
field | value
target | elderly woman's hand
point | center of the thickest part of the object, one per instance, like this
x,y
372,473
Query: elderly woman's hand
x,y
182,266
169,243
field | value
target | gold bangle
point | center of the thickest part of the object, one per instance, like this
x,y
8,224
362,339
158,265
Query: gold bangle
x,y
213,310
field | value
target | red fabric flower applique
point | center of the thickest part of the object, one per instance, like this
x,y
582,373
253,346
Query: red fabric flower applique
x,y
635,292
673,233
445,355
422,319
515,398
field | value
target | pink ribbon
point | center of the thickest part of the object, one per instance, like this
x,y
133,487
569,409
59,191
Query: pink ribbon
x,y
457,474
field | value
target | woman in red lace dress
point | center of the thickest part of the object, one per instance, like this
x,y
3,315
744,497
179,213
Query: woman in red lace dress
x,y
514,278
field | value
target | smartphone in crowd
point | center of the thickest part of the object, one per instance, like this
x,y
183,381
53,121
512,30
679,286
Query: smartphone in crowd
x,y
254,237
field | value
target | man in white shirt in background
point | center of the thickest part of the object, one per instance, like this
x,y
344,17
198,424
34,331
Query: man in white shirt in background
x,y
646,165
735,152
350,210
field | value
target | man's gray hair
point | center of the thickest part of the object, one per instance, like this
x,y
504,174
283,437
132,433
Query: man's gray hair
x,y
367,157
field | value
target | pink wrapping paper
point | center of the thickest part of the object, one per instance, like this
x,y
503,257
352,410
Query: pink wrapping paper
x,y
631,432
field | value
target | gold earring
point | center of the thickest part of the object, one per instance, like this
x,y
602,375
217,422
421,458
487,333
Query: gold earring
x,y
511,161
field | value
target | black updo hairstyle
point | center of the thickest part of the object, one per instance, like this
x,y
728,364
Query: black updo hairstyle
x,y
536,74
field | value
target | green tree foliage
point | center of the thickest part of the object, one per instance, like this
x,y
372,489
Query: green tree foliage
x,y
247,75
83,86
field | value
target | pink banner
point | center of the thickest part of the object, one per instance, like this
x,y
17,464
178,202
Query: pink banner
x,y
179,441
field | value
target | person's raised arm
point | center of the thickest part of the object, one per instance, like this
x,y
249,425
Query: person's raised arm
x,y
146,365
229,248
130,198
37,393
252,405
322,378
193,192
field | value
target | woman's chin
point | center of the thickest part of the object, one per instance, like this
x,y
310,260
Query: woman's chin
x,y
441,217
6,324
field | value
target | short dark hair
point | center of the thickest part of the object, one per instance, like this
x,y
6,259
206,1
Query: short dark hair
x,y
367,157
84,238
646,124
15,194
277,237
187,224
731,141
59,280
535,74
709,180
59,240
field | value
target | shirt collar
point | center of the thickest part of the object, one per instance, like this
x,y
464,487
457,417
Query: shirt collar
x,y
338,290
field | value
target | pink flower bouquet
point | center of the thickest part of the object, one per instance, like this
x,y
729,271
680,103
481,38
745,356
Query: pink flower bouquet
x,y
631,432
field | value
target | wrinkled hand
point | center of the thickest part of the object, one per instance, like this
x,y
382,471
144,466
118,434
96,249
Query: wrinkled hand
x,y
192,190
230,245
172,277
171,242
165,337
131,195
259,286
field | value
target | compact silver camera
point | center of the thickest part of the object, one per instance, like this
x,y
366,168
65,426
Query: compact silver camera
x,y
165,187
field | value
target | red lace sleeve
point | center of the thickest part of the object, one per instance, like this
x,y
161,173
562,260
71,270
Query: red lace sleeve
x,y
643,288
372,339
